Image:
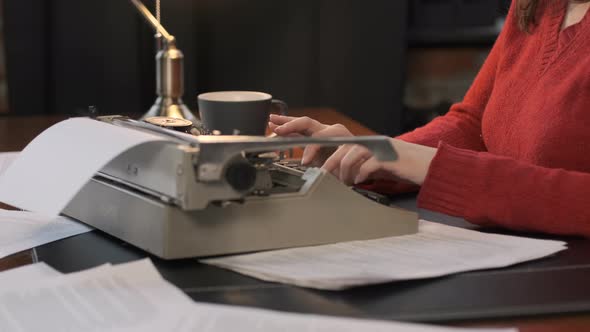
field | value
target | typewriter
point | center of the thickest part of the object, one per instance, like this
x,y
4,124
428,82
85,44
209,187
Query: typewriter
x,y
212,195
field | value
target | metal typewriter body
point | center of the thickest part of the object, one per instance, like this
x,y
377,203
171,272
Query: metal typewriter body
x,y
216,195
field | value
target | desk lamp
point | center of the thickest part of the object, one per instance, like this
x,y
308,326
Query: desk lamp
x,y
169,71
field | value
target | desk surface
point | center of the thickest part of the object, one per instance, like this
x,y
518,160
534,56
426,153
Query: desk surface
x,y
534,287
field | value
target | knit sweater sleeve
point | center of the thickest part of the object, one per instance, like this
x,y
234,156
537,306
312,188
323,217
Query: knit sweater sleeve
x,y
482,188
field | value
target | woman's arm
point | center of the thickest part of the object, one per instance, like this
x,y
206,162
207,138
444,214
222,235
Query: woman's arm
x,y
487,189
484,188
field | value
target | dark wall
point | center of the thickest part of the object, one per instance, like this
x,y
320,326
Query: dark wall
x,y
95,58
67,54
26,39
346,54
362,59
265,45
63,55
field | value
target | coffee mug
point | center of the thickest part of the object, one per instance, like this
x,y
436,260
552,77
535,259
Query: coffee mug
x,y
238,112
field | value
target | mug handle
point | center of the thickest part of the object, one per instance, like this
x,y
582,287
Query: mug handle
x,y
280,106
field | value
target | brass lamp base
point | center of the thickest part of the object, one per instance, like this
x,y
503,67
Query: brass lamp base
x,y
170,107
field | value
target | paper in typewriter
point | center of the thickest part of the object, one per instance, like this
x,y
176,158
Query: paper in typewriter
x,y
6,158
49,172
134,297
436,250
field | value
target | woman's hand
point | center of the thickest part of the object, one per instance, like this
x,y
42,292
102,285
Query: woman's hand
x,y
355,164
305,126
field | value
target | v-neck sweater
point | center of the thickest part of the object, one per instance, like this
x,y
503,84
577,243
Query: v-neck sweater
x,y
515,152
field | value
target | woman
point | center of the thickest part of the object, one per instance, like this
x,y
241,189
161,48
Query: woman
x,y
516,151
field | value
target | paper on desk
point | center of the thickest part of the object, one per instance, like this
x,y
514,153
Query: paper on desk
x,y
222,318
6,158
134,297
35,273
126,297
436,250
23,275
57,163
22,230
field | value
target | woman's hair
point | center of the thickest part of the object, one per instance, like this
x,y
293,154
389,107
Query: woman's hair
x,y
526,11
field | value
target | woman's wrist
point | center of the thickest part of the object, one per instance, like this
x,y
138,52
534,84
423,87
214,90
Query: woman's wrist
x,y
414,161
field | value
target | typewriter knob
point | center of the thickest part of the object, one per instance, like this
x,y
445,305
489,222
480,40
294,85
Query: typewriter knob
x,y
182,125
241,175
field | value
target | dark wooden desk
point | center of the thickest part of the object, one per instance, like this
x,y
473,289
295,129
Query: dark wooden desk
x,y
227,287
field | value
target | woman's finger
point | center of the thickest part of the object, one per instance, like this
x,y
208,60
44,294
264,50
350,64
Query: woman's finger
x,y
309,153
336,172
333,162
369,167
351,162
273,134
280,119
323,153
272,126
304,125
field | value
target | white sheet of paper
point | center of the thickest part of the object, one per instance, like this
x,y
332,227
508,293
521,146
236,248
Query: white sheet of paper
x,y
57,163
134,297
436,250
221,318
126,297
22,230
6,158
23,275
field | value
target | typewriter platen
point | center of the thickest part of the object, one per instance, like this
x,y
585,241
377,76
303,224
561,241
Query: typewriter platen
x,y
196,196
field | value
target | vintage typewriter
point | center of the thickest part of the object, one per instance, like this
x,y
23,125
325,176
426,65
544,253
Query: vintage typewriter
x,y
213,195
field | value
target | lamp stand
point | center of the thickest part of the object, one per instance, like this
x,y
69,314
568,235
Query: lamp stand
x,y
169,73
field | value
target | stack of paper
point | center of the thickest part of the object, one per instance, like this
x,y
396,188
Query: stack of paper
x,y
21,230
28,273
6,158
436,250
128,297
218,318
134,297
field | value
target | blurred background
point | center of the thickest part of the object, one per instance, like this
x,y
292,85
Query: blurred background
x,y
390,64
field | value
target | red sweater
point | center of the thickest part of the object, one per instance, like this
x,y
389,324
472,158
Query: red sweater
x,y
516,151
